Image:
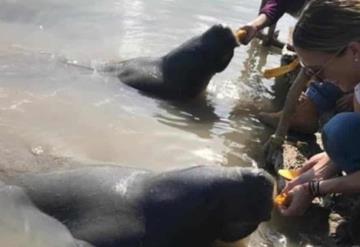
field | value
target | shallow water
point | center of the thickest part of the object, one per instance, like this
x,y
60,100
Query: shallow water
x,y
51,112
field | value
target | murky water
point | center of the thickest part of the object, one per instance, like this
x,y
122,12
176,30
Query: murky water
x,y
51,113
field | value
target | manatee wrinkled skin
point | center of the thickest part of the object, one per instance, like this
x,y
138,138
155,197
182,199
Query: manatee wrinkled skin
x,y
185,71
24,225
111,206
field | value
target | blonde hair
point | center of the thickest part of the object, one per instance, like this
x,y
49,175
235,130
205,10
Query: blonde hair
x,y
328,25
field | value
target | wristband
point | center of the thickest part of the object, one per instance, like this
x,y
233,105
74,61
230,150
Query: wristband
x,y
314,188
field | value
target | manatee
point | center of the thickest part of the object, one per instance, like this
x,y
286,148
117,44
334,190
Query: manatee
x,y
112,206
182,73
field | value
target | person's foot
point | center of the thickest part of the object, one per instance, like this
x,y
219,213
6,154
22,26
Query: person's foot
x,y
270,118
304,120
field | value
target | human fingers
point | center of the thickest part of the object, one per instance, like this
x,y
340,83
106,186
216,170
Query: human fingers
x,y
300,180
311,162
290,185
300,200
250,33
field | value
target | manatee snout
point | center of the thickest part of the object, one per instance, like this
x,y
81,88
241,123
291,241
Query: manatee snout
x,y
219,42
261,192
221,34
248,201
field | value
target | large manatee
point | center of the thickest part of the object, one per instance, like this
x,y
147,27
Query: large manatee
x,y
111,206
185,71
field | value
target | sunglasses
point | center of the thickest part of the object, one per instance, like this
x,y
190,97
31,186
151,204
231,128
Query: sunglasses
x,y
316,71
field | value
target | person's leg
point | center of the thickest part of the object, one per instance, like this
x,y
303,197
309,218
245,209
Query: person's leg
x,y
341,137
319,98
304,120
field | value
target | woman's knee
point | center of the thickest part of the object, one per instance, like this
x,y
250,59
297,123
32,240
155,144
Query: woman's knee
x,y
341,138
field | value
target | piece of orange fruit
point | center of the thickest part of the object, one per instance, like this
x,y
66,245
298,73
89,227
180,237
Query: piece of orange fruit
x,y
241,34
282,70
281,199
288,174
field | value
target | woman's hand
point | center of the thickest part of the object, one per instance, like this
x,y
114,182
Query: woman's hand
x,y
253,27
251,31
318,166
300,199
313,161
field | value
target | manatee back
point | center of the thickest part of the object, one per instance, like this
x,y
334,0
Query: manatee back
x,y
97,204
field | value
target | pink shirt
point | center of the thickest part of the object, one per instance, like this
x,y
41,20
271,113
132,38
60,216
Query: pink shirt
x,y
274,9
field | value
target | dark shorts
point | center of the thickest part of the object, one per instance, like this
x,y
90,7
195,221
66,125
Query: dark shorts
x,y
341,138
324,95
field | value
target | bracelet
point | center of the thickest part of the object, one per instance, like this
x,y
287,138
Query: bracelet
x,y
314,188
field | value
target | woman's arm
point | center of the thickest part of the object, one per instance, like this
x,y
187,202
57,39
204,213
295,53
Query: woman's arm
x,y
274,10
270,13
260,22
346,184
